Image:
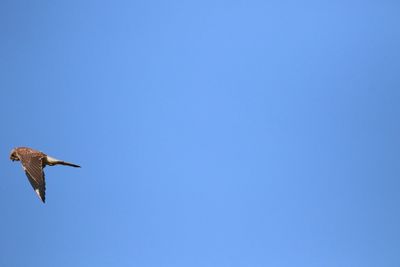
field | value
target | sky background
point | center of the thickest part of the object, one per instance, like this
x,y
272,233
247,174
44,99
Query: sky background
x,y
210,133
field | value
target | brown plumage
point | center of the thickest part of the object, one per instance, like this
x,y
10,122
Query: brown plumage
x,y
33,163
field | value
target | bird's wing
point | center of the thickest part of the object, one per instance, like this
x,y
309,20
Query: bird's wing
x,y
32,164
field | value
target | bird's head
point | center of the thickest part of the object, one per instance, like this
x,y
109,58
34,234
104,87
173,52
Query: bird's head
x,y
13,155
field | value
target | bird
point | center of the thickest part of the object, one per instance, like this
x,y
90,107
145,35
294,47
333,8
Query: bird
x,y
33,163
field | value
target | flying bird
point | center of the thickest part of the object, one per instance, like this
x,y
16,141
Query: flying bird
x,y
33,163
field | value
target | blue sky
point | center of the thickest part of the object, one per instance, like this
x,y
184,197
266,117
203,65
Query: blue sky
x,y
210,133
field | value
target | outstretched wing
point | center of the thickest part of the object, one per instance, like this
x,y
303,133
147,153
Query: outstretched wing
x,y
33,166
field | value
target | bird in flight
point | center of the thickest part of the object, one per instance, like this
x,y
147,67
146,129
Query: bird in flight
x,y
33,163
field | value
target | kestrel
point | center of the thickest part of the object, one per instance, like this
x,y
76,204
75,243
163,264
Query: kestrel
x,y
33,163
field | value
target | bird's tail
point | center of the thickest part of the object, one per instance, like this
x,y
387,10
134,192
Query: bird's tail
x,y
67,164
52,161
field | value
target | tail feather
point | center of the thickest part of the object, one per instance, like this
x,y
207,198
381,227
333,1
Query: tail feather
x,y
52,161
68,164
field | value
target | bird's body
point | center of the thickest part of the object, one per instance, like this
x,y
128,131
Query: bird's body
x,y
33,163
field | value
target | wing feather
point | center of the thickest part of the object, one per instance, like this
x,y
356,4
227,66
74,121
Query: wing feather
x,y
33,166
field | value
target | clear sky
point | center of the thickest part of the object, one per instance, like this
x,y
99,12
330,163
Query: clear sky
x,y
210,133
